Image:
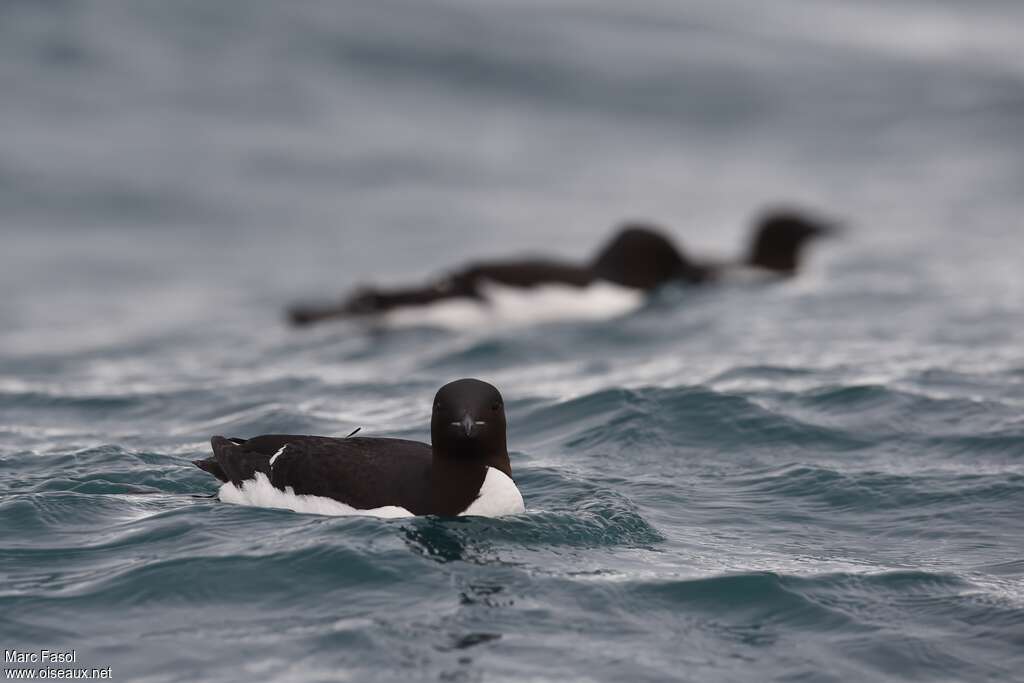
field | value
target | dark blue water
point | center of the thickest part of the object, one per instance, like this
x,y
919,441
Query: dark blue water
x,y
821,480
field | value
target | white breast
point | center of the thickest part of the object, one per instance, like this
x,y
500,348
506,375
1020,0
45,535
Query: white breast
x,y
498,496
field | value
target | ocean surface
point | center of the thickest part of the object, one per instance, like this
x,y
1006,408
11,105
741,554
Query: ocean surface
x,y
820,480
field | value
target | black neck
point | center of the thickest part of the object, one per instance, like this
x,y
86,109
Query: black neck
x,y
780,260
455,483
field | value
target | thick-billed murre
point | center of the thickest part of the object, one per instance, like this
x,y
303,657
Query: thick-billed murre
x,y
465,470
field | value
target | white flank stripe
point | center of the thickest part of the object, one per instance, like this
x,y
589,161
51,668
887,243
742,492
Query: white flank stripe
x,y
514,306
259,492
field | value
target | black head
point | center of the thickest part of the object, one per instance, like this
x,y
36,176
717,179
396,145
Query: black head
x,y
781,235
468,421
641,257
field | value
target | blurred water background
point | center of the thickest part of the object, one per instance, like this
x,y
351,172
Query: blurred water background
x,y
816,481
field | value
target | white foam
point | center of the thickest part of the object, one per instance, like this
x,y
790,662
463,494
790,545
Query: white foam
x,y
259,492
514,306
498,496
277,455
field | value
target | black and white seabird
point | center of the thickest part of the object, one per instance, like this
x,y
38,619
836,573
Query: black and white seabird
x,y
779,239
638,257
464,471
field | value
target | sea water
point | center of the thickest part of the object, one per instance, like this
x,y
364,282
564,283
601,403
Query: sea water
x,y
817,480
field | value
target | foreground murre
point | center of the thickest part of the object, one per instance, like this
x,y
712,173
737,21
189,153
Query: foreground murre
x,y
465,471
638,257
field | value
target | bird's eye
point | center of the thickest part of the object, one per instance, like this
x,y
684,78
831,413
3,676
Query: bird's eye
x,y
496,405
437,406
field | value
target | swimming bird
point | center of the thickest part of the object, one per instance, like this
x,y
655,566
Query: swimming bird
x,y
465,470
780,238
639,257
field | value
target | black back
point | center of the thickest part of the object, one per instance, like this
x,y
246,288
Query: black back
x,y
523,273
641,257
